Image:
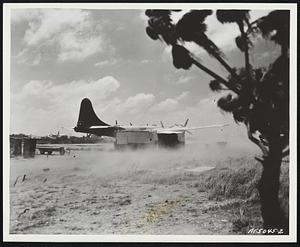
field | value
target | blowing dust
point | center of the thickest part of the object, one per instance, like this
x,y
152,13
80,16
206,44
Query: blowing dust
x,y
95,189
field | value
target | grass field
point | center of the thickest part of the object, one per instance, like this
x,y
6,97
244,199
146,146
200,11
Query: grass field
x,y
96,190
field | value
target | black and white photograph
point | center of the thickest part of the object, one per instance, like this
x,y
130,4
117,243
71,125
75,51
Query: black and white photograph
x,y
150,122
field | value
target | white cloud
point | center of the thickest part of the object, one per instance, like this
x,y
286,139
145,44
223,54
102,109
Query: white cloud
x,y
176,16
194,48
18,15
143,17
223,35
61,93
47,106
50,22
169,105
71,33
142,107
204,113
136,104
165,106
78,48
255,14
167,54
183,80
107,63
132,109
43,107
183,95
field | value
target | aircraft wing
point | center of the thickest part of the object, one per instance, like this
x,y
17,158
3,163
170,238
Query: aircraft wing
x,y
180,129
169,131
100,127
121,127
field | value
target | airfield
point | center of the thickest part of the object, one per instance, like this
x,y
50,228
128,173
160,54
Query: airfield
x,y
98,190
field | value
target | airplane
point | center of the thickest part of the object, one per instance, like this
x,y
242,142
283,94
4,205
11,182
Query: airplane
x,y
88,122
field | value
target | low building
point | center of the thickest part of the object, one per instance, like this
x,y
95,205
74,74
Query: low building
x,y
135,139
25,146
15,146
172,140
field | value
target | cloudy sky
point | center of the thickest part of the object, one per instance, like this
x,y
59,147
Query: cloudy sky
x,y
60,56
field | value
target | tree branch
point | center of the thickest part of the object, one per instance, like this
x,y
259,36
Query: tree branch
x,y
214,75
257,141
246,51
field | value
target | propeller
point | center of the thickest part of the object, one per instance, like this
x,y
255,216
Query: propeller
x,y
186,122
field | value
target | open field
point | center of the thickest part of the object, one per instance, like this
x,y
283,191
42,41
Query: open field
x,y
96,190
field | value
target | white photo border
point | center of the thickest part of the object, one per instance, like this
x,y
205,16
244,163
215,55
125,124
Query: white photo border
x,y
292,237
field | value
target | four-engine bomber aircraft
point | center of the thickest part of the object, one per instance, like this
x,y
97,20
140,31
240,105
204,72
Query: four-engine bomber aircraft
x,y
89,123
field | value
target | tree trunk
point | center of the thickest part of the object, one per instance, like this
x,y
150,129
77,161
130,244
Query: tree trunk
x,y
268,187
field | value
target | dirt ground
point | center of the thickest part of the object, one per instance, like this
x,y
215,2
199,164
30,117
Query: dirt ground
x,y
96,190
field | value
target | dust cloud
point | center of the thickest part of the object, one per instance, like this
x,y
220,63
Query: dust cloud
x,y
103,160
96,189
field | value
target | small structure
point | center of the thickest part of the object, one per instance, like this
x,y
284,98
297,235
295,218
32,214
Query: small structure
x,y
135,138
171,139
29,146
15,146
49,150
22,146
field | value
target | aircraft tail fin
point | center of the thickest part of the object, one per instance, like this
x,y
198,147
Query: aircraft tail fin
x,y
161,124
87,116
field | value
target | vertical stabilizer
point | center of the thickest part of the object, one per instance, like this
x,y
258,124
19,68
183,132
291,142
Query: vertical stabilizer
x,y
87,116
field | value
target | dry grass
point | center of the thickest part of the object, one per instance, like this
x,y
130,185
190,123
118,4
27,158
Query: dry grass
x,y
158,210
234,179
237,179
